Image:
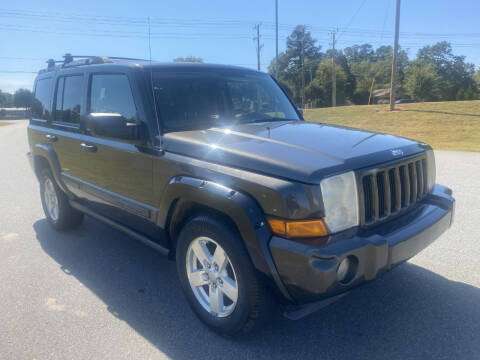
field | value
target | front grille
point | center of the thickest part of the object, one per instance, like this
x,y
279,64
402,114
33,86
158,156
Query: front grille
x,y
387,191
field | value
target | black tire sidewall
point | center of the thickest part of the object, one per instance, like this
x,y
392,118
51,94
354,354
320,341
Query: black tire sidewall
x,y
231,243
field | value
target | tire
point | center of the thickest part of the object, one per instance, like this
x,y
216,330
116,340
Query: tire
x,y
253,304
62,216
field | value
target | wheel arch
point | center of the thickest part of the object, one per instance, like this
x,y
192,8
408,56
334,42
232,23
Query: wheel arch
x,y
187,196
44,155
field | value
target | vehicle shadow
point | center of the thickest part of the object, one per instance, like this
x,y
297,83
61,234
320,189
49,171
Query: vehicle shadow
x,y
441,112
410,313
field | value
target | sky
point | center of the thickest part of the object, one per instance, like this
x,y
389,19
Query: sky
x,y
219,31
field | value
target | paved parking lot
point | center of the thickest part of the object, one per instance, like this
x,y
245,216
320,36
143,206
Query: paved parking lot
x,y
96,294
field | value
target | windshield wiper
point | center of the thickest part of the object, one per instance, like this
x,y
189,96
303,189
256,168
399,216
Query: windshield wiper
x,y
270,119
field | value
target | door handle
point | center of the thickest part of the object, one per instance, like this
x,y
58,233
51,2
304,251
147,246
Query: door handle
x,y
51,138
88,147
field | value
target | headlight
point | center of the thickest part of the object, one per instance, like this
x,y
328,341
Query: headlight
x,y
431,170
340,200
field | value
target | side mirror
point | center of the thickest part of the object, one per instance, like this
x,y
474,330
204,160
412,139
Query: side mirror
x,y
112,125
300,111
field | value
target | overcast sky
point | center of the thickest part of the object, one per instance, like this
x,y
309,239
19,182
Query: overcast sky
x,y
219,31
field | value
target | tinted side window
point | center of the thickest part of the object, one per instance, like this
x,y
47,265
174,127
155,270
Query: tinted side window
x,y
41,102
69,99
111,93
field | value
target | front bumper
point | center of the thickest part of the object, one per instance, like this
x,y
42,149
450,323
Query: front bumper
x,y
309,272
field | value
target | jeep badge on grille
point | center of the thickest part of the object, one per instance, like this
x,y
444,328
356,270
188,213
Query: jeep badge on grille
x,y
397,152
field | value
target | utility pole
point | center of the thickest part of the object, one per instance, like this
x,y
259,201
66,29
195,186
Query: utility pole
x,y
276,39
259,47
334,72
395,54
302,64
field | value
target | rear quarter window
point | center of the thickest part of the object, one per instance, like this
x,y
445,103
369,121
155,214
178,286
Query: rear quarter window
x,y
69,99
41,105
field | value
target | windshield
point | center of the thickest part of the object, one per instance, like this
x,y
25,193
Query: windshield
x,y
195,100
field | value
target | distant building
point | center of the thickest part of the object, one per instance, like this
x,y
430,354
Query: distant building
x,y
13,113
382,96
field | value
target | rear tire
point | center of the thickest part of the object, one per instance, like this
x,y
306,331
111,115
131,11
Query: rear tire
x,y
55,204
245,302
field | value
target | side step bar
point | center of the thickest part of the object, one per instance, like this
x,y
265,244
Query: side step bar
x,y
116,225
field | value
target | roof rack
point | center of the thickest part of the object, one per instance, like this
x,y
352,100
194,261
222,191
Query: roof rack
x,y
70,60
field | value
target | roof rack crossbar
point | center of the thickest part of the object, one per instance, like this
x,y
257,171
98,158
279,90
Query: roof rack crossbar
x,y
70,60
107,57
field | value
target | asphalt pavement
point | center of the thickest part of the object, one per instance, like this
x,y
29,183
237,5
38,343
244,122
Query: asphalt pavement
x,y
94,293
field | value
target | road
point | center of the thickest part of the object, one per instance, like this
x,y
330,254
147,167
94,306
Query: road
x,y
96,294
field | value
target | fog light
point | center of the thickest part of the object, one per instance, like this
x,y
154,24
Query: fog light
x,y
343,269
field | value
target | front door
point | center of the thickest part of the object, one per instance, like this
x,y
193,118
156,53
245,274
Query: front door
x,y
117,174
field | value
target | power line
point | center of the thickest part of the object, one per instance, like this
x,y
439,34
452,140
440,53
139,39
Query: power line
x,y
385,17
17,72
19,58
352,18
196,23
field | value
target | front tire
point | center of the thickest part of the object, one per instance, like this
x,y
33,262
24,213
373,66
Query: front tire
x,y
218,277
55,204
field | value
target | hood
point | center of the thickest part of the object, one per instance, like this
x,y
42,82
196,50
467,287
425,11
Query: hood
x,y
295,150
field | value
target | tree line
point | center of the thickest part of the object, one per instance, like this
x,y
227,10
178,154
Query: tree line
x,y
435,74
22,98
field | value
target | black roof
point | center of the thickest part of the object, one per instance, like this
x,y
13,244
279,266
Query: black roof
x,y
80,61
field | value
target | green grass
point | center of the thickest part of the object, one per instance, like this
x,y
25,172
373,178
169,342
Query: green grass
x,y
453,125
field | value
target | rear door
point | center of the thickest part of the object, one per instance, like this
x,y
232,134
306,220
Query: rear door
x,y
65,132
117,173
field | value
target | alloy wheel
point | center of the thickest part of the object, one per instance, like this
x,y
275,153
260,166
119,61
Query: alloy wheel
x,y
212,277
51,199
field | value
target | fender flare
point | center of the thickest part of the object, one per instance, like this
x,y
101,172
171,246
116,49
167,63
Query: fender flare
x,y
240,208
47,152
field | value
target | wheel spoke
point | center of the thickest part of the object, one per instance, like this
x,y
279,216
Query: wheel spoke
x,y
196,278
229,288
220,258
201,251
216,300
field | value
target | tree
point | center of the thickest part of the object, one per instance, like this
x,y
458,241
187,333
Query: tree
x,y
3,99
476,81
23,98
454,73
301,50
466,94
422,82
366,64
319,91
436,73
192,59
6,99
359,53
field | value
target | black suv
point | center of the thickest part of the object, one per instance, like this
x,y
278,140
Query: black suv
x,y
215,167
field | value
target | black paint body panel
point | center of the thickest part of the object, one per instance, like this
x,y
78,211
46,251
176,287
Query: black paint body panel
x,y
247,172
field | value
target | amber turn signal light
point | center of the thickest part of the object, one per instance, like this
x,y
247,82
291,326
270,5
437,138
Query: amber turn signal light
x,y
298,229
